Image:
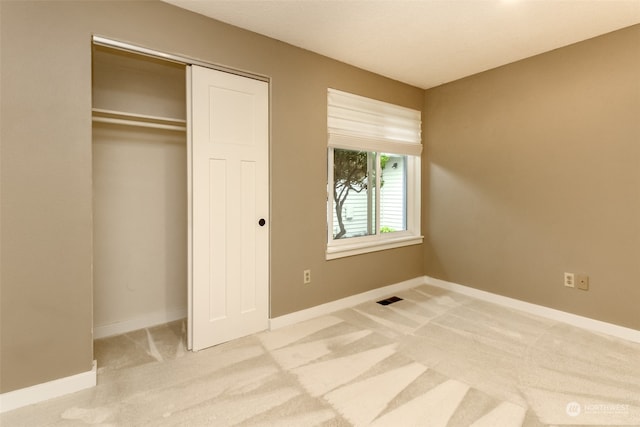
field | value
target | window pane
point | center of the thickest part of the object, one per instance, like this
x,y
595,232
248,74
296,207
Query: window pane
x,y
354,195
393,193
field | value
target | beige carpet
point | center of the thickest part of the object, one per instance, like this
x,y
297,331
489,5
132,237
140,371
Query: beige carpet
x,y
434,359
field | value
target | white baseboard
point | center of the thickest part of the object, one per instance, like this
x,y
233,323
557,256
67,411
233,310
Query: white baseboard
x,y
330,307
539,310
146,321
45,391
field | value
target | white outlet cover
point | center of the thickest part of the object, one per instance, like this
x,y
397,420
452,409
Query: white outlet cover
x,y
569,280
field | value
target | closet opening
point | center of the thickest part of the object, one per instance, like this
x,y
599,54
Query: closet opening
x,y
140,204
180,156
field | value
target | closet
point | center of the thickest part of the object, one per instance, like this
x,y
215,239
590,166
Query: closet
x,y
180,195
139,191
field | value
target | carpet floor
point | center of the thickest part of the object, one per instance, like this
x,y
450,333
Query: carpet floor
x,y
436,358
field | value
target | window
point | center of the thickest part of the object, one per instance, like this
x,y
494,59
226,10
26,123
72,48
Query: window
x,y
373,175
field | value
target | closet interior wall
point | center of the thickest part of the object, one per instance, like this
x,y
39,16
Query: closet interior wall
x,y
139,191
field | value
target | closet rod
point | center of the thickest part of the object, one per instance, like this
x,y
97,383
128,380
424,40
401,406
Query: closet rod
x,y
138,123
134,116
106,42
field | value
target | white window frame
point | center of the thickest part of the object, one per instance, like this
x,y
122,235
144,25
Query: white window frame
x,y
363,124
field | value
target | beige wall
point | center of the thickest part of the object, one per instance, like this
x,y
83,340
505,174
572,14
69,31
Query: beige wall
x,y
46,170
533,169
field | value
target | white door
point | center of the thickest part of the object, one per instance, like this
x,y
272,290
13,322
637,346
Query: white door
x,y
229,256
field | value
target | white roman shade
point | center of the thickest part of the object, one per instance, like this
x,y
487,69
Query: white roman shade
x,y
364,124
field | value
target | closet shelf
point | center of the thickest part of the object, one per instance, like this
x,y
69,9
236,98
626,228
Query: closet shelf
x,y
141,120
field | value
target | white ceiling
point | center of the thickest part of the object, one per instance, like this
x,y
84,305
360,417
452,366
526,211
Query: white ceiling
x,y
424,42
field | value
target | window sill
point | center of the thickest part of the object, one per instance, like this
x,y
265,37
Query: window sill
x,y
341,251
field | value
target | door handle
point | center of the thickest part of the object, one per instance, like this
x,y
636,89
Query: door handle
x,y
262,222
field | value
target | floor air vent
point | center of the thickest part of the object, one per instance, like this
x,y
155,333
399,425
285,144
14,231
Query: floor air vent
x,y
389,300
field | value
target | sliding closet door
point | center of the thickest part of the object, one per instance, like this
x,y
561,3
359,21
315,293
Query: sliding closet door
x,y
230,206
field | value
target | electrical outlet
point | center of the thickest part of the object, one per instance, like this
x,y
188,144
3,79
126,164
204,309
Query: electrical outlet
x,y
306,277
569,280
582,282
